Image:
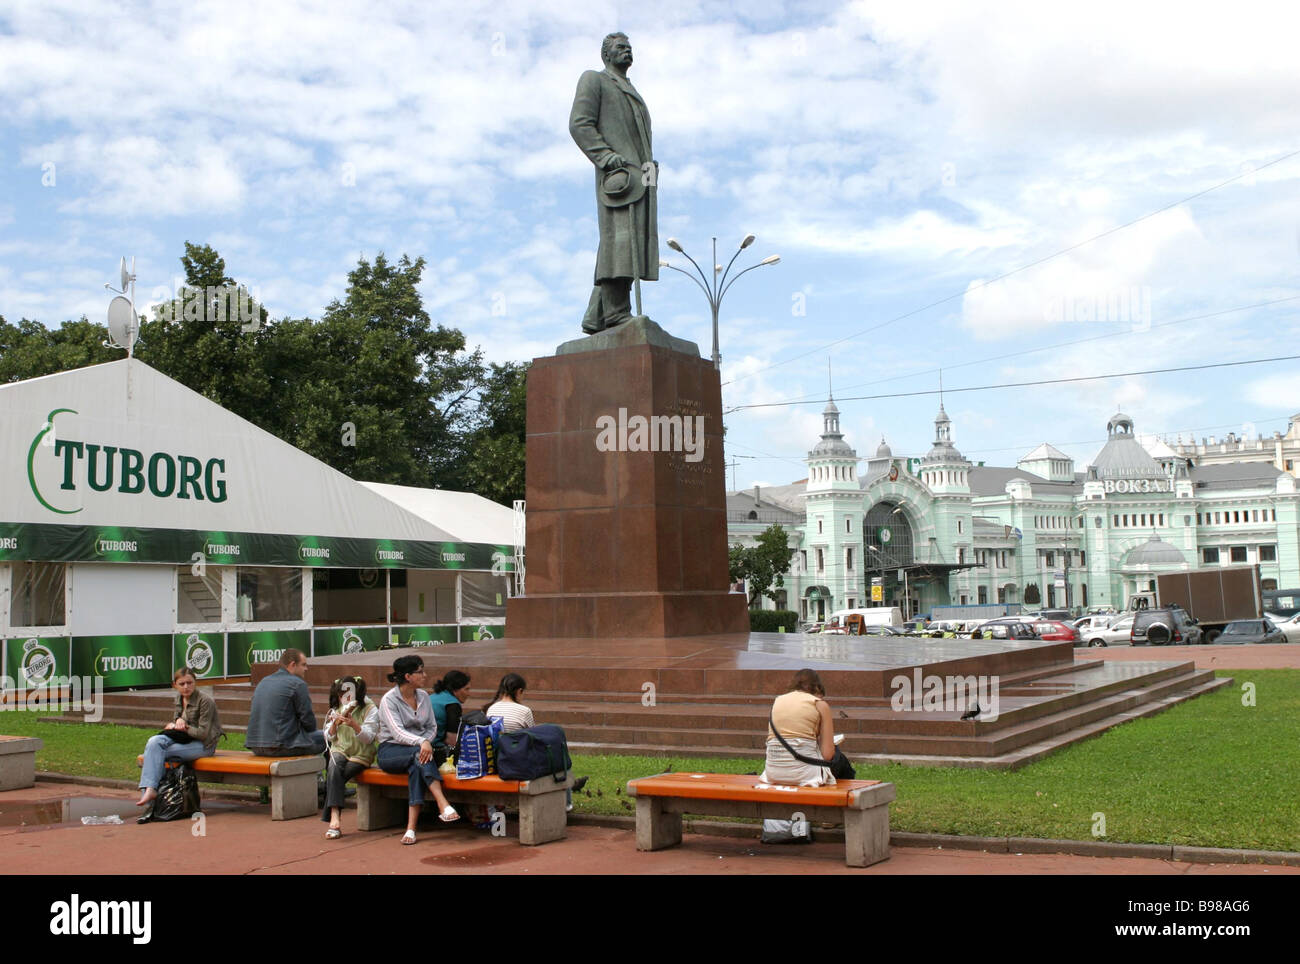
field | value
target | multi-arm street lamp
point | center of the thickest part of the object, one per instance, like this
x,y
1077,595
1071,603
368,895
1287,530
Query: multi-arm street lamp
x,y
716,289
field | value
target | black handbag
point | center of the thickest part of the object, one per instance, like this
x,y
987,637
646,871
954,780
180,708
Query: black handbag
x,y
532,753
178,796
840,766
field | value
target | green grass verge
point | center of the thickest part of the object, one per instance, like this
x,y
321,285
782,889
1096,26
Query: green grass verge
x,y
1211,772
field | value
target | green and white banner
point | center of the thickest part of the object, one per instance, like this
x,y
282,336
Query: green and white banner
x,y
33,660
482,631
348,640
243,650
425,635
124,661
204,653
68,543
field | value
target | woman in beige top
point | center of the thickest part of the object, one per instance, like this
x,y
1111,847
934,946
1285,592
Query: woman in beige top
x,y
803,718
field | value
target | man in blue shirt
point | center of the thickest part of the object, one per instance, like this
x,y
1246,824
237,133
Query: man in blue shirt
x,y
281,721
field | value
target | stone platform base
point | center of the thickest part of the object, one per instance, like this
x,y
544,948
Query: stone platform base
x,y
630,614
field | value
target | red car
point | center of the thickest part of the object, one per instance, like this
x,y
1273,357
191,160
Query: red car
x,y
1054,631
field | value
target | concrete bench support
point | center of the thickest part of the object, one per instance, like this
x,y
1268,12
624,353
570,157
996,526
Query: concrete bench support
x,y
18,761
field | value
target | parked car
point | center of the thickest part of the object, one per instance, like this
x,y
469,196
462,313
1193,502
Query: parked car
x,y
945,627
1054,631
1243,631
881,631
1099,621
1290,627
1004,628
1115,633
1057,615
1164,627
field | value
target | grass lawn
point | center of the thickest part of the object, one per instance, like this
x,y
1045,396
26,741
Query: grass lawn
x,y
1210,772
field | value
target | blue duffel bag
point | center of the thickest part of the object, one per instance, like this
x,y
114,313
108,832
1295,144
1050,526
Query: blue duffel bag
x,y
538,751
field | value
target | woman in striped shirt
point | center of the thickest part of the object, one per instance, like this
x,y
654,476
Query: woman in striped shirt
x,y
515,716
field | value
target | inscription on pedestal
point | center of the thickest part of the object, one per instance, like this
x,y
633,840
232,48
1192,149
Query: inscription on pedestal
x,y
692,473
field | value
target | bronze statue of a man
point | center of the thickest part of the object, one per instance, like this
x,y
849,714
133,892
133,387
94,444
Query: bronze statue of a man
x,y
611,124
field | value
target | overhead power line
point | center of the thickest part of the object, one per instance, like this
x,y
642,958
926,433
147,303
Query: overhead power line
x,y
1024,267
1028,384
1061,344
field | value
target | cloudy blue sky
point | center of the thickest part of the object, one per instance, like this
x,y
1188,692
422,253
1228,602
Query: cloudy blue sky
x,y
899,156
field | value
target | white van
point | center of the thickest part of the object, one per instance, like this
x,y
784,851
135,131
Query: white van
x,y
839,623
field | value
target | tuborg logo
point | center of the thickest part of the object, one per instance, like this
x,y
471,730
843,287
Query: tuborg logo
x,y
306,553
255,656
198,654
164,475
37,663
352,642
118,664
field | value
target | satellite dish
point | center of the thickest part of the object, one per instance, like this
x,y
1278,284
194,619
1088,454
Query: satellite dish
x,y
121,322
125,276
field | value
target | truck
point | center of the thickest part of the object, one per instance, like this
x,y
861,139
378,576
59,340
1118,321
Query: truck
x,y
1212,597
853,622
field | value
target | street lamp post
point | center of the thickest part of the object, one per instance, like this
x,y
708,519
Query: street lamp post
x,y
715,290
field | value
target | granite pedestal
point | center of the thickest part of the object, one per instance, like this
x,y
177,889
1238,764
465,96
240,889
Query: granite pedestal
x,y
627,528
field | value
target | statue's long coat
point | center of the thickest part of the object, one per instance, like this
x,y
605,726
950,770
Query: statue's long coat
x,y
609,116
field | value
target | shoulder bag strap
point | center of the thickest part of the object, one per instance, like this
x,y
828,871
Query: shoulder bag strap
x,y
811,761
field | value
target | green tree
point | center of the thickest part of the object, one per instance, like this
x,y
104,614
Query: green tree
x,y
495,448
30,350
374,388
212,338
763,564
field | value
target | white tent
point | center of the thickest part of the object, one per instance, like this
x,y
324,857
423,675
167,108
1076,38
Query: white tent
x,y
119,461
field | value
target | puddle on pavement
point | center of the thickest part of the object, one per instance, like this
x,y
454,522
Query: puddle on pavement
x,y
479,857
70,810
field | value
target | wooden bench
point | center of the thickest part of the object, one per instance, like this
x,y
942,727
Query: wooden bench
x,y
861,806
18,761
292,779
381,801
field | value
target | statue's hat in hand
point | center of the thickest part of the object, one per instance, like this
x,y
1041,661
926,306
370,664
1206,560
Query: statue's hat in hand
x,y
621,186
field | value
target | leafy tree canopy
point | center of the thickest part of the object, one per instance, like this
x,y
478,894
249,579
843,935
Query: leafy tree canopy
x,y
764,564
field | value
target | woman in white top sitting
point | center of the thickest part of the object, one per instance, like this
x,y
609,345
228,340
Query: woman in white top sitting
x,y
803,719
515,716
